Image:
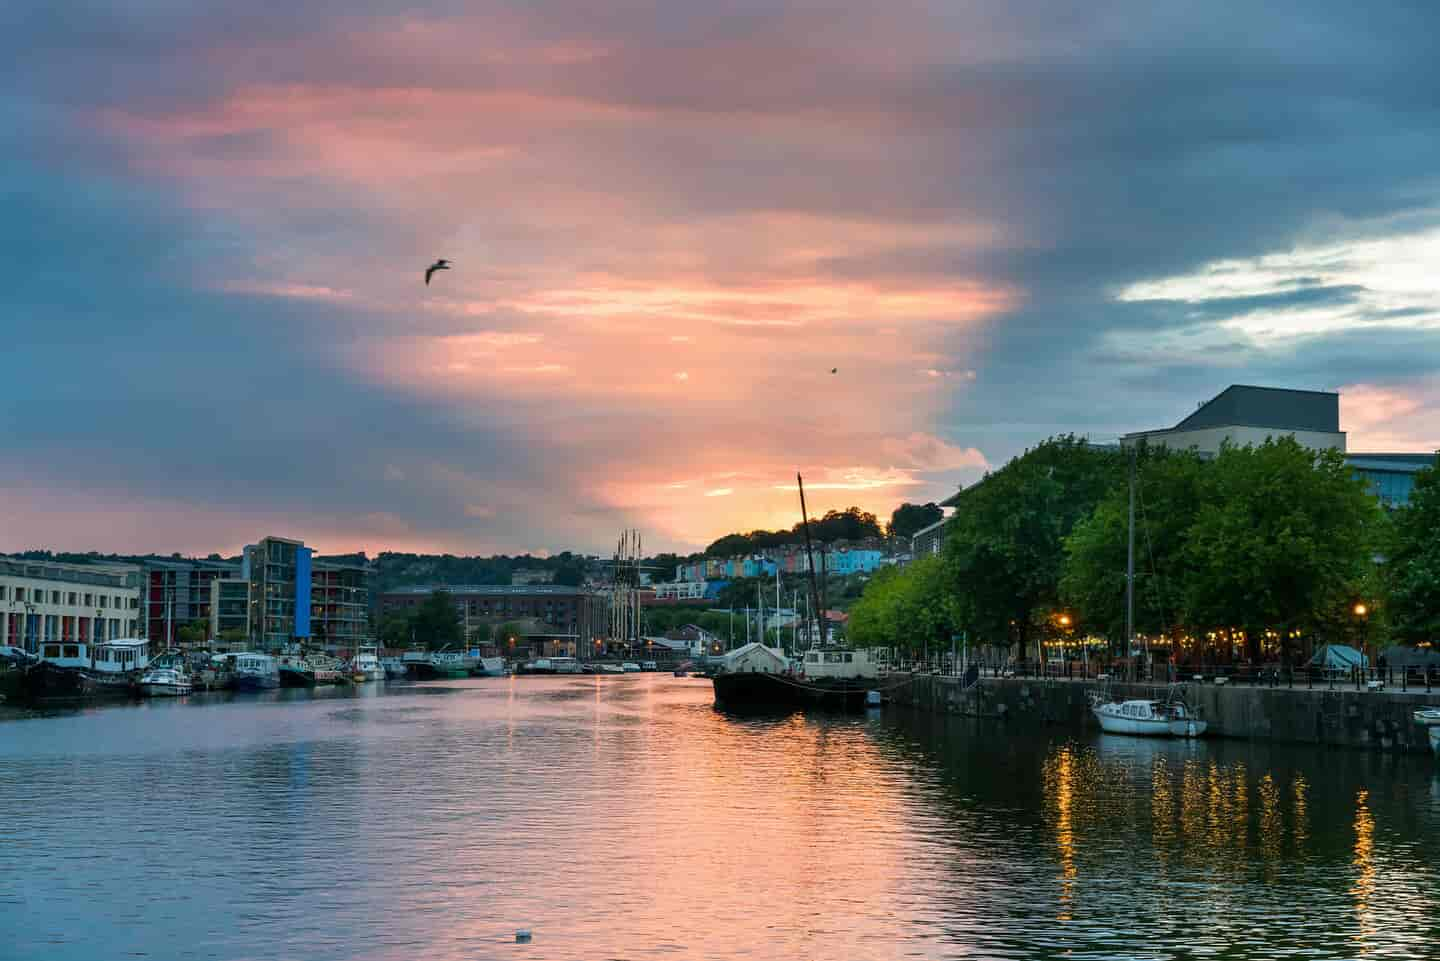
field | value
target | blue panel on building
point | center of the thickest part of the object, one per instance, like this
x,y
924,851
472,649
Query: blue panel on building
x,y
302,592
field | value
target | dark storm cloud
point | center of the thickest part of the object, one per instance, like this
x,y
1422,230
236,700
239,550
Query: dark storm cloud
x,y
1104,144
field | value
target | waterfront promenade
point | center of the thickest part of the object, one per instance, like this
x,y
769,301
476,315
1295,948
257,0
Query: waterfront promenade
x,y
1330,713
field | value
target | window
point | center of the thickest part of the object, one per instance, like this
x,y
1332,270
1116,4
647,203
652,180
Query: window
x,y
89,600
52,650
104,601
2,592
72,650
71,600
54,597
19,593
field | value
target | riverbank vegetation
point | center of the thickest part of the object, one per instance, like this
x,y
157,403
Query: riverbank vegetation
x,y
1252,554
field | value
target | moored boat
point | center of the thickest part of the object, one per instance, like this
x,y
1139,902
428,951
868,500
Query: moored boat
x,y
252,672
366,664
445,663
757,676
489,667
294,672
394,667
1171,717
165,682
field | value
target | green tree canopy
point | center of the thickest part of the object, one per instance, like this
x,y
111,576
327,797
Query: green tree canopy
x,y
437,621
1004,547
909,518
1413,568
905,608
1169,490
1284,538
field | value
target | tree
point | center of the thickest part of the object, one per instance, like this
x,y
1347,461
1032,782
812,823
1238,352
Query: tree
x,y
906,608
509,634
1284,539
1168,487
571,575
909,518
395,630
1413,566
196,632
480,634
234,635
437,621
1004,547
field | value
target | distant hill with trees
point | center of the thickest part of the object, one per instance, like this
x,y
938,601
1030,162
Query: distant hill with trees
x,y
851,524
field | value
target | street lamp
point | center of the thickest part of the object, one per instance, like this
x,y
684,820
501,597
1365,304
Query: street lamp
x,y
1361,612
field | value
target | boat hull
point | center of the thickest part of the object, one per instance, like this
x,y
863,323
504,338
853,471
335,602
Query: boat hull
x,y
253,682
45,681
165,690
1435,740
1149,727
294,677
744,689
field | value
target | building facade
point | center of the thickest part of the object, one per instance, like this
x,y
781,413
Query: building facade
x,y
575,614
229,607
928,541
45,602
1243,414
296,598
178,593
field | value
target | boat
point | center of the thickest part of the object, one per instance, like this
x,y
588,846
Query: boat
x,y
445,663
294,672
649,666
252,672
757,676
541,665
165,682
366,664
1427,717
630,667
1171,717
80,670
118,664
327,669
394,667
489,667
417,663
1434,733
611,669
682,673
565,665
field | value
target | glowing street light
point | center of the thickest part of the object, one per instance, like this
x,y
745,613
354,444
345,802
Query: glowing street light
x,y
1361,610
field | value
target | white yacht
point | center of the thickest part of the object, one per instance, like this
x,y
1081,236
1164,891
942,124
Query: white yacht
x,y
117,663
367,664
165,682
565,665
1171,717
630,667
1429,718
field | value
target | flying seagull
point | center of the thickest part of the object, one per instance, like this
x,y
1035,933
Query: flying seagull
x,y
441,264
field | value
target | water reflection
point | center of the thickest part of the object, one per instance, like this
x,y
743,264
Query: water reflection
x,y
626,818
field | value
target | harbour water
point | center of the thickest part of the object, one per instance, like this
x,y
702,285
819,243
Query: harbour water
x,y
625,817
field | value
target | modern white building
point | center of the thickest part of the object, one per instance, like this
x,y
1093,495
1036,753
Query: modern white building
x,y
680,591
1241,414
50,602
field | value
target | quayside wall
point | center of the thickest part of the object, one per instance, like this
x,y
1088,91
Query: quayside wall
x,y
1342,716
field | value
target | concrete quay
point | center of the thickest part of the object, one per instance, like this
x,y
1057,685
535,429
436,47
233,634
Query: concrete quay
x,y
1341,716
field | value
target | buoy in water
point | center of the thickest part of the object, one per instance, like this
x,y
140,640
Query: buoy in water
x,y
522,936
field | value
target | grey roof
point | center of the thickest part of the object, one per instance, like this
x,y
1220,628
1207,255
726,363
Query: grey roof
x,y
1241,405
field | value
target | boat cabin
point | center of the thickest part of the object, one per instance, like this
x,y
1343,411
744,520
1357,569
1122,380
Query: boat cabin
x,y
838,663
66,654
756,658
122,656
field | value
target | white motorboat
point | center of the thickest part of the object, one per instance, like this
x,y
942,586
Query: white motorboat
x,y
165,682
611,669
394,667
1427,717
367,664
630,667
1171,717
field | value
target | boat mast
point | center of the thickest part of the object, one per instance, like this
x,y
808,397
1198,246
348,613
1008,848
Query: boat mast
x,y
1130,565
810,557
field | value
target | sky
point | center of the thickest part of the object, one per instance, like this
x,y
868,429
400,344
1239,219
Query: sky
x,y
669,222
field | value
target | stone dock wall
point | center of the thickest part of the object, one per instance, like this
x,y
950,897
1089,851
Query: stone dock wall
x,y
1342,716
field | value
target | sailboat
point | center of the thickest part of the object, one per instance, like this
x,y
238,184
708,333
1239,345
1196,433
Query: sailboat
x,y
1151,717
826,676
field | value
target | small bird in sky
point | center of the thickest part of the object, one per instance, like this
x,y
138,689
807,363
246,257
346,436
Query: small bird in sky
x,y
441,264
834,370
